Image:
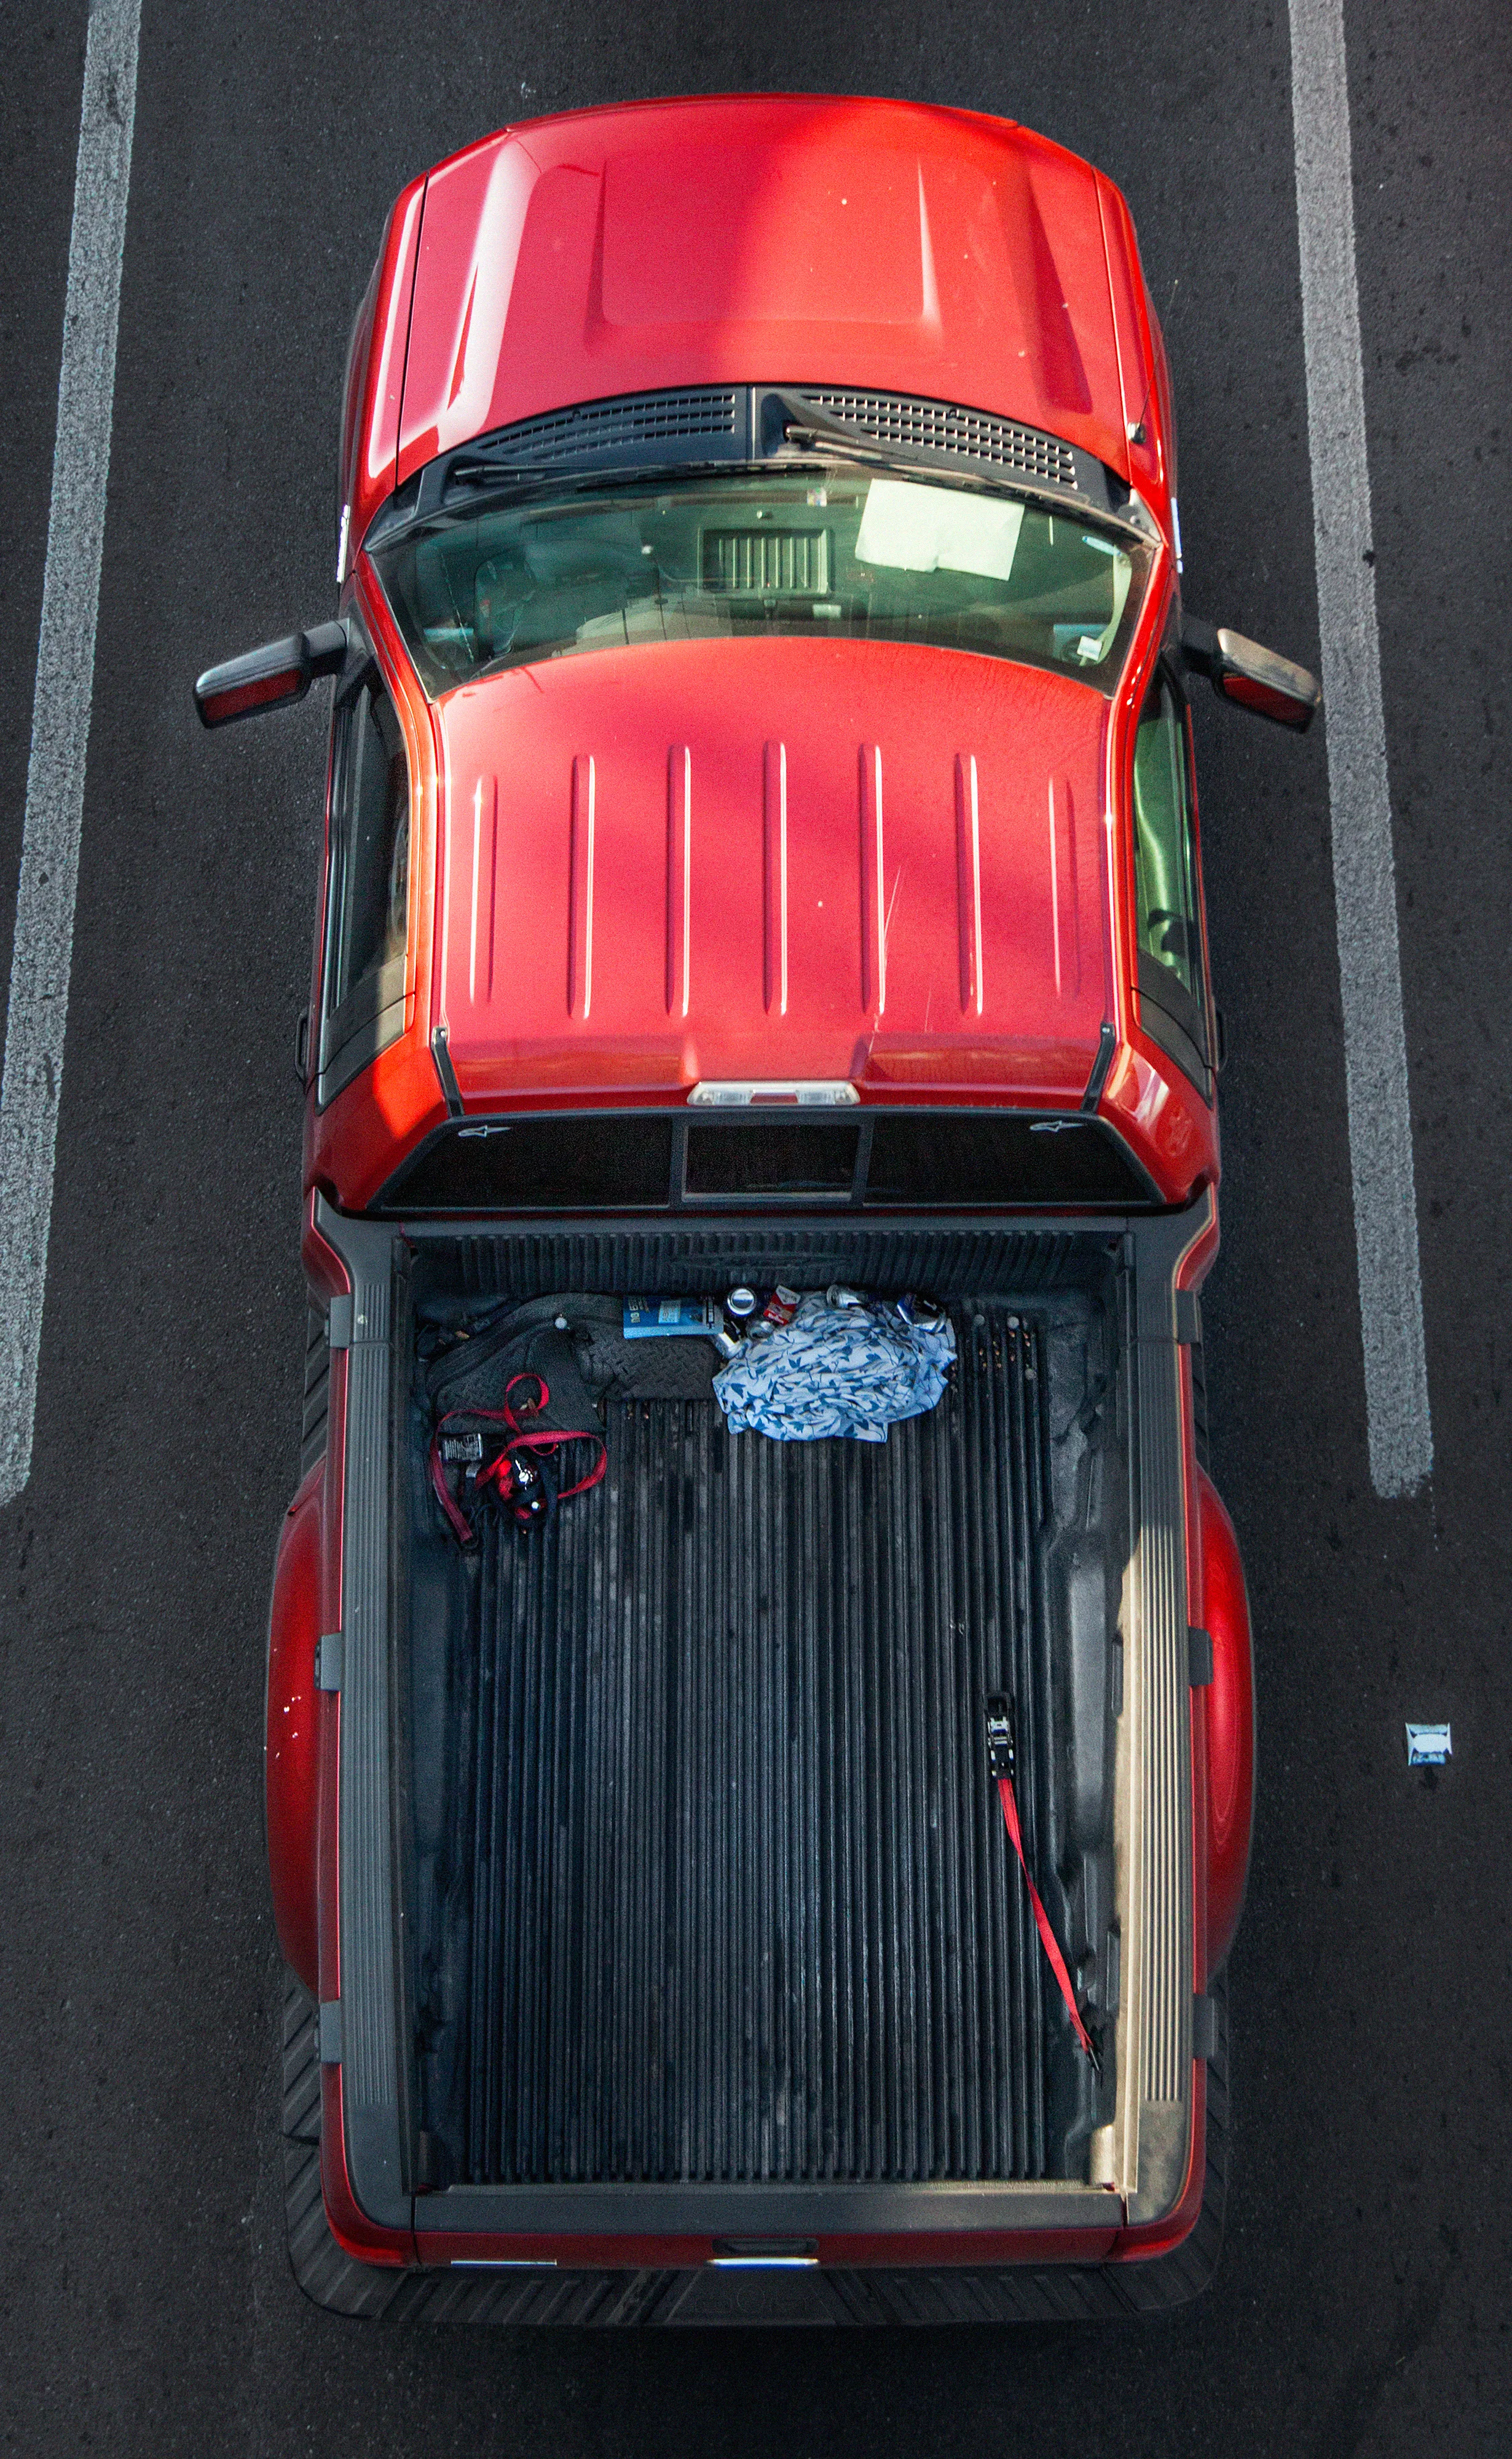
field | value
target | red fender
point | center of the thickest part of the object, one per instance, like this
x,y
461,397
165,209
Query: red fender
x,y
292,1763
1230,1699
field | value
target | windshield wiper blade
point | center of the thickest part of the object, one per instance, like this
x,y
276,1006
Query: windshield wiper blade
x,y
847,447
484,466
484,476
814,429
804,423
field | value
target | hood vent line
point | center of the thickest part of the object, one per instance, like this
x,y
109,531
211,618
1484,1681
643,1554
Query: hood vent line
x,y
873,883
968,882
581,918
775,903
1065,920
678,878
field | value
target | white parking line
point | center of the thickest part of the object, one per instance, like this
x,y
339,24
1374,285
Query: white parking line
x,y
1399,1429
60,720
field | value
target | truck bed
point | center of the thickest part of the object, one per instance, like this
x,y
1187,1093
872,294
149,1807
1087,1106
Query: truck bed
x,y
675,1899
712,1883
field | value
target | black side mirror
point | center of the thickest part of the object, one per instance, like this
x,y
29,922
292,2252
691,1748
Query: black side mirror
x,y
273,677
1257,678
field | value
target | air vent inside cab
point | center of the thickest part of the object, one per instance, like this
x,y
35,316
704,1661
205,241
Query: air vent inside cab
x,y
768,562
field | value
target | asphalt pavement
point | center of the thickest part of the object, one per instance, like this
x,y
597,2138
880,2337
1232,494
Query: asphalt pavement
x,y
1364,2302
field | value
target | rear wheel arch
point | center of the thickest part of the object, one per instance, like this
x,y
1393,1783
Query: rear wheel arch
x,y
291,1767
1229,1710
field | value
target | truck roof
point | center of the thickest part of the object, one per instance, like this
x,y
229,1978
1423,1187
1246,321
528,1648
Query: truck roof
x,y
762,859
814,240
773,859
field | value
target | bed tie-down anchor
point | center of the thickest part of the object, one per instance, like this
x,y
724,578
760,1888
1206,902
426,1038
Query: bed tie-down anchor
x,y
1002,1766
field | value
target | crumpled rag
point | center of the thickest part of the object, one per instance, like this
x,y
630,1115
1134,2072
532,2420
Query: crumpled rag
x,y
836,1370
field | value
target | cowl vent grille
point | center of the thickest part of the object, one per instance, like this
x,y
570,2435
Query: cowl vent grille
x,y
940,426
610,426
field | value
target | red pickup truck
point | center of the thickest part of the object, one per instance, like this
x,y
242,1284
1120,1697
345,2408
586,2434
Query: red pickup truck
x,y
761,854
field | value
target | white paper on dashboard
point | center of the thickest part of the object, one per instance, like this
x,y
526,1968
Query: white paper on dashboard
x,y
909,527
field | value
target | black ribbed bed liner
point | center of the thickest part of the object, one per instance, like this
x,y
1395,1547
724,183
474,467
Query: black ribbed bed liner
x,y
742,1904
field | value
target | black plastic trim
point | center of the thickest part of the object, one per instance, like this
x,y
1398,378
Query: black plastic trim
x,y
767,2209
630,435
370,2075
1205,2026
1189,1317
361,1043
440,1052
945,1253
321,650
388,1203
1107,1044
1158,998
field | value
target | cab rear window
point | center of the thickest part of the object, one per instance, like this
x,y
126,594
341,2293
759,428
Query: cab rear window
x,y
930,1161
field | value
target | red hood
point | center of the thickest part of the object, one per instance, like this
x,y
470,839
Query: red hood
x,y
788,239
773,859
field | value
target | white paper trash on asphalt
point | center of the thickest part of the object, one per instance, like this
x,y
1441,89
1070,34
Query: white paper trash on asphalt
x,y
837,1369
1428,1745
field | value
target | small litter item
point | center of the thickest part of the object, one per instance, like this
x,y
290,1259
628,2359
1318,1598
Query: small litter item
x,y
679,1319
848,1369
667,1318
741,1304
781,1307
1427,1745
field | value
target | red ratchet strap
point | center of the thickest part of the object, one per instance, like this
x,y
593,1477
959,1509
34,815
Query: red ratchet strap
x,y
521,1438
1000,1762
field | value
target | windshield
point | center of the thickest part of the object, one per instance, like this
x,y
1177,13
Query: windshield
x,y
723,555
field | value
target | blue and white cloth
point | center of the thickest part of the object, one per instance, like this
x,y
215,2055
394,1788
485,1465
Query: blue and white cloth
x,y
836,1370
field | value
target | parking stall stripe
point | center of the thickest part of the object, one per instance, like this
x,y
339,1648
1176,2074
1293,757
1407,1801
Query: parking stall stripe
x,y
43,950
1399,1428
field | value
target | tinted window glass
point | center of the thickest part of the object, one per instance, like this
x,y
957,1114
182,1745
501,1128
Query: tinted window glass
x,y
623,1164
1170,961
819,554
369,907
997,1162
562,1165
771,1157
